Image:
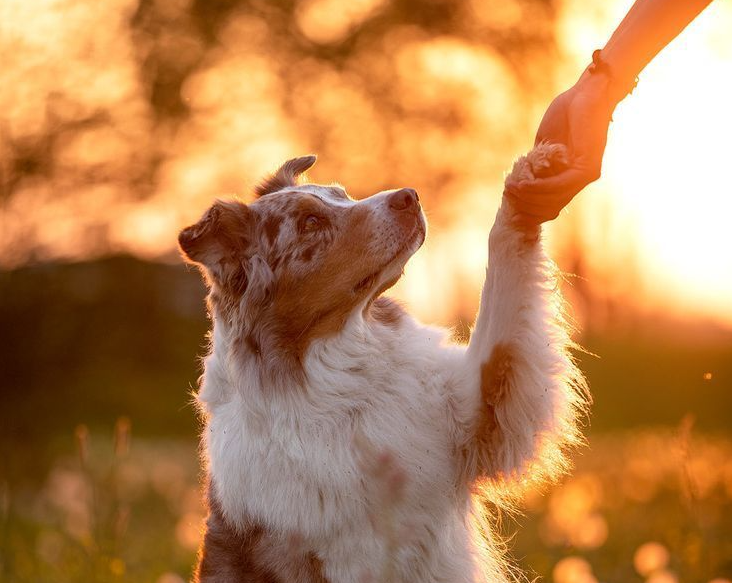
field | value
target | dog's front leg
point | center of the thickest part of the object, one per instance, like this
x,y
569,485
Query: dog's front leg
x,y
522,387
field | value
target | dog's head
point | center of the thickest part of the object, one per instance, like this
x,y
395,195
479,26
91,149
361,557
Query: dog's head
x,y
302,257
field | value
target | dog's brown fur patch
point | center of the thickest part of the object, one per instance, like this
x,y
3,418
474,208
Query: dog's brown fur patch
x,y
221,236
387,311
493,381
252,555
317,306
272,227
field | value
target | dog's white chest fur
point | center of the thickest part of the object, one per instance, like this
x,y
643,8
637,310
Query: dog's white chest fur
x,y
304,464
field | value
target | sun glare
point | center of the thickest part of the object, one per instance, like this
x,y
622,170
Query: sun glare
x,y
664,198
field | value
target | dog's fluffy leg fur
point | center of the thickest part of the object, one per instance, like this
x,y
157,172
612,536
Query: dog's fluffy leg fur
x,y
518,363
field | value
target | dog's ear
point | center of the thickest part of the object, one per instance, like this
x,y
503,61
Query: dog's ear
x,y
287,175
221,241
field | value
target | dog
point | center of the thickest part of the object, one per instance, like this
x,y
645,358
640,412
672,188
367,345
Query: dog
x,y
343,440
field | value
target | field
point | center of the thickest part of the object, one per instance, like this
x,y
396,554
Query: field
x,y
99,477
644,506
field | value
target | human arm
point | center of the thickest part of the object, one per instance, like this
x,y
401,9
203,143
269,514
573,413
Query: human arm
x,y
579,117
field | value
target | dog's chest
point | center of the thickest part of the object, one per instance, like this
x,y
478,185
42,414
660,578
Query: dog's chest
x,y
307,470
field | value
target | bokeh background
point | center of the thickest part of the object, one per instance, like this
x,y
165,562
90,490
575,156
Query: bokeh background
x,y
121,120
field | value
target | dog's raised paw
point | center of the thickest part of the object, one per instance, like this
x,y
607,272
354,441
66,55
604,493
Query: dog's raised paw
x,y
545,159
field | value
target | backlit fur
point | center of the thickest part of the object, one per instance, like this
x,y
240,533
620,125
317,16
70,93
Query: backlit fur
x,y
345,441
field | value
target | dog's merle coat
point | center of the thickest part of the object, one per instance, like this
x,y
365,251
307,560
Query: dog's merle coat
x,y
312,373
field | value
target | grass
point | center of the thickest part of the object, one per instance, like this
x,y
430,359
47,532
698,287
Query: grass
x,y
633,498
105,512
650,506
133,514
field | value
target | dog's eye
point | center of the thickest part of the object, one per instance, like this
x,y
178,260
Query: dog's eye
x,y
311,223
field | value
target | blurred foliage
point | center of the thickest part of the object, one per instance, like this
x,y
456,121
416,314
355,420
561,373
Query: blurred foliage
x,y
90,341
104,513
657,372
115,136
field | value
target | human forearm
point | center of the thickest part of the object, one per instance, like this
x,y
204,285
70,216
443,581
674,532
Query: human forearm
x,y
648,27
579,117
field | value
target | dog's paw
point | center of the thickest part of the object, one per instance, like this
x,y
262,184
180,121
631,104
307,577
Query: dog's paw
x,y
547,159
543,160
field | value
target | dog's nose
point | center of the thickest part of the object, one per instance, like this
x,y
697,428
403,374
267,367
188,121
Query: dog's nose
x,y
404,199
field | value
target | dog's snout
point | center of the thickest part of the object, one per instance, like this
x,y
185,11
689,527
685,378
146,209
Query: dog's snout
x,y
404,199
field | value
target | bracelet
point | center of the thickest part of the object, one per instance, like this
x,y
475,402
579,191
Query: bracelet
x,y
598,65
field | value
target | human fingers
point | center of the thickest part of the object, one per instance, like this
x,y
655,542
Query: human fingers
x,y
567,183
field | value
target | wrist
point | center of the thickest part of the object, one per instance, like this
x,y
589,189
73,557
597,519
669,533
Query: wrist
x,y
598,87
620,81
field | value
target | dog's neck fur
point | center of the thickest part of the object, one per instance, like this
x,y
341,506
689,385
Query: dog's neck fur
x,y
260,345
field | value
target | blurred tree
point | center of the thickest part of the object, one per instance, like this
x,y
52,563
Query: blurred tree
x,y
126,109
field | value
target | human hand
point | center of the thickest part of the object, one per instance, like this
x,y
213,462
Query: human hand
x,y
578,118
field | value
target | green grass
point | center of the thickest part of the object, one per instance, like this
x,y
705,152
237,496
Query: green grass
x,y
105,512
